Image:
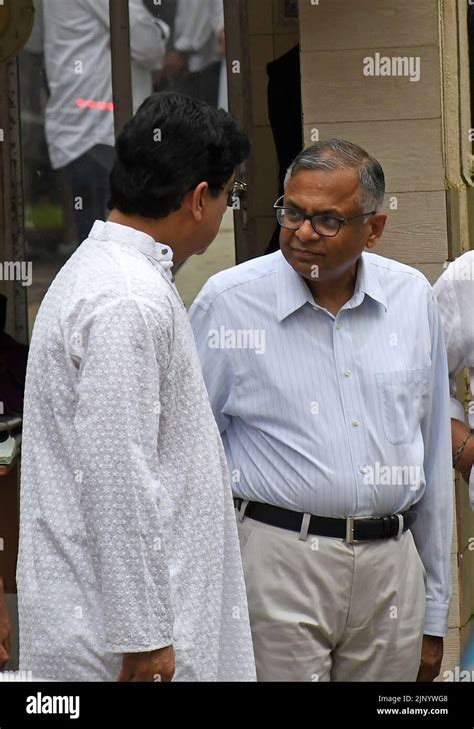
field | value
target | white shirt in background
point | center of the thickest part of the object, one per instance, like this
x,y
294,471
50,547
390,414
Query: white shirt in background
x,y
78,68
197,26
455,293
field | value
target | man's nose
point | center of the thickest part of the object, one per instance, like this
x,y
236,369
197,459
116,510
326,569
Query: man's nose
x,y
307,232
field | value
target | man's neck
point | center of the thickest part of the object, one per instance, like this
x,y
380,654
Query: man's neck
x,y
162,230
333,293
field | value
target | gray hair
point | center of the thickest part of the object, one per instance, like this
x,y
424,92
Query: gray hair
x,y
333,154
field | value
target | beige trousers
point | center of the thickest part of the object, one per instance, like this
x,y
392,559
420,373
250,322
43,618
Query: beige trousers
x,y
325,610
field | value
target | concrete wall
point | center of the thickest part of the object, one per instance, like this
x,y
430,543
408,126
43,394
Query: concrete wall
x,y
256,33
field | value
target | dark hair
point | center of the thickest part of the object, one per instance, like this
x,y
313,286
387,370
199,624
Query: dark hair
x,y
171,145
334,153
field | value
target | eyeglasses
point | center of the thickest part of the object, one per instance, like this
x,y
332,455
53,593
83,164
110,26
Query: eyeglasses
x,y
325,225
236,194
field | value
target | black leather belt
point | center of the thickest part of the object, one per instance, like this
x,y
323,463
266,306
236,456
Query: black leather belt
x,y
352,529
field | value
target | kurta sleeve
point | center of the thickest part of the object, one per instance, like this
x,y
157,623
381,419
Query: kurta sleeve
x,y
121,353
451,320
458,335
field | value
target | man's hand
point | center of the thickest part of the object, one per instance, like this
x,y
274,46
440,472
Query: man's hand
x,y
5,630
431,657
174,64
459,431
221,40
153,666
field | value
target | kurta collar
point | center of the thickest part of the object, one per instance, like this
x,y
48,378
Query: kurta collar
x,y
115,232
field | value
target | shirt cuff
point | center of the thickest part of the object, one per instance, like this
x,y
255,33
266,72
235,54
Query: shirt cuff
x,y
184,45
436,618
457,410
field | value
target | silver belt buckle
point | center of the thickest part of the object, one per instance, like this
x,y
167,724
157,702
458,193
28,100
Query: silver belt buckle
x,y
350,527
350,522
401,524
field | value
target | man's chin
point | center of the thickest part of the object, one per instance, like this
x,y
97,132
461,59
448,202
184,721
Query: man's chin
x,y
309,268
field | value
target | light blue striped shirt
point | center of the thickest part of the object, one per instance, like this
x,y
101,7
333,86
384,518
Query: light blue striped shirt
x,y
340,415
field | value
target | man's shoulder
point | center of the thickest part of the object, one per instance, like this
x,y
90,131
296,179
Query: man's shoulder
x,y
233,280
461,269
387,268
101,281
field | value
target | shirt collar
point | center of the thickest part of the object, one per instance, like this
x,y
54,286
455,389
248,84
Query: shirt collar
x,y
293,292
367,282
117,233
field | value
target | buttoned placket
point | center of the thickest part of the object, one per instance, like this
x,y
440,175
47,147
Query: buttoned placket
x,y
351,398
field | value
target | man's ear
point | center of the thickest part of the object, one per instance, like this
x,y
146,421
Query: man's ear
x,y
377,224
197,203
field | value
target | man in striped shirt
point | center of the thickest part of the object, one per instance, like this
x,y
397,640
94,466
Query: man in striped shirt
x,y
326,370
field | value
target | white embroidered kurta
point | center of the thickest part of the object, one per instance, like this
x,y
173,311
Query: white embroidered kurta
x,y
128,540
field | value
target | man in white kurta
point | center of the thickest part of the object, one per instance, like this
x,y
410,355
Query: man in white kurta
x,y
128,539
454,291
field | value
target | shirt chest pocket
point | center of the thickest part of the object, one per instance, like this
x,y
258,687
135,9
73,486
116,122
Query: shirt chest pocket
x,y
403,398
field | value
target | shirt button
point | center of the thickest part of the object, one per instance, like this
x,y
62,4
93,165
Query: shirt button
x,y
364,469
347,373
338,326
355,422
164,251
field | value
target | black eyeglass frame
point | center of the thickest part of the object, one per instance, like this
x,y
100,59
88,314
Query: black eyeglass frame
x,y
238,191
341,221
